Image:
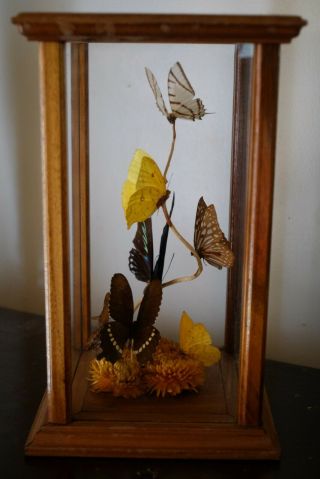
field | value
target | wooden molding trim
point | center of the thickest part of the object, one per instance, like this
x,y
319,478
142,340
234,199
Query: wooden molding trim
x,y
56,231
154,440
256,260
155,28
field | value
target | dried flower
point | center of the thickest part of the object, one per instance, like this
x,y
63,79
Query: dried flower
x,y
167,349
171,376
123,378
101,375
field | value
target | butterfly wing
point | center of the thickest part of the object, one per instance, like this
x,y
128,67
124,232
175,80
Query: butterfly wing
x,y
95,340
145,336
146,344
121,300
113,337
144,188
201,208
143,203
158,269
209,240
150,305
157,92
215,247
181,95
114,334
104,315
141,257
196,341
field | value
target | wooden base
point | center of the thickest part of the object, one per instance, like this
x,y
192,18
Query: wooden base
x,y
189,426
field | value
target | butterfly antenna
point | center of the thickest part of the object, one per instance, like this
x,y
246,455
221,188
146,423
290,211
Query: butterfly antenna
x,y
165,274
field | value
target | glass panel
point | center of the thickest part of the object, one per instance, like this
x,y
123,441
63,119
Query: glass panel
x,y
75,316
76,136
240,151
123,116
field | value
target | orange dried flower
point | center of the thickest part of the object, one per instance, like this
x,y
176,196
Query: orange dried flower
x,y
171,376
123,378
167,349
170,372
101,375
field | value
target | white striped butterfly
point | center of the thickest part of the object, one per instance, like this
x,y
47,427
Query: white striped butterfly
x,y
181,96
209,241
140,335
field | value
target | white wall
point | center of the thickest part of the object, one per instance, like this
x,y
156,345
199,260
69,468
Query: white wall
x,y
293,331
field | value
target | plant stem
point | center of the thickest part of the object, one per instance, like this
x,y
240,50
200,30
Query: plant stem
x,y
171,149
181,279
188,246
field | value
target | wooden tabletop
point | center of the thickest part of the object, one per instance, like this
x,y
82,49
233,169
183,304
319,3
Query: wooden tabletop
x,y
294,392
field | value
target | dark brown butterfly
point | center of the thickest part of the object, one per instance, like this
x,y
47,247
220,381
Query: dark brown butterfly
x,y
140,335
141,256
209,241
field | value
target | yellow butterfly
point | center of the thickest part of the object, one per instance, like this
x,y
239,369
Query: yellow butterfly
x,y
196,341
144,190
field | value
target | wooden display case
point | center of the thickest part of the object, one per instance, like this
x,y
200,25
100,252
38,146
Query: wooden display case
x,y
231,418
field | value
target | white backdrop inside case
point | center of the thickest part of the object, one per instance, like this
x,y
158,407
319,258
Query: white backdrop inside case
x,y
123,117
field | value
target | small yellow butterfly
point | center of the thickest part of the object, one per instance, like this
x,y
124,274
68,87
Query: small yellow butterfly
x,y
144,189
196,341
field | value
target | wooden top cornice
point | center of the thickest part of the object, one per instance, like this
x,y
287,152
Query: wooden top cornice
x,y
155,28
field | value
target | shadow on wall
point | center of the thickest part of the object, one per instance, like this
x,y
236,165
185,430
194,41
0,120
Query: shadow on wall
x,y
21,263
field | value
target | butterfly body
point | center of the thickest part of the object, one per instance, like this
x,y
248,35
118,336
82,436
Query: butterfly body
x,y
209,240
144,190
122,332
181,96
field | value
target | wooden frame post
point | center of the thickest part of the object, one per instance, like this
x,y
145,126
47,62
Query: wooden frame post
x,y
56,237
256,260
80,192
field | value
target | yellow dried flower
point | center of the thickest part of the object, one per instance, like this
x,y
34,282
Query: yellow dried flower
x,y
167,376
101,375
123,378
167,349
128,376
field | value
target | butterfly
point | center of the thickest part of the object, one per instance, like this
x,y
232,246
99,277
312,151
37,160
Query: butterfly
x,y
181,96
209,241
196,341
140,335
94,341
144,190
141,256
